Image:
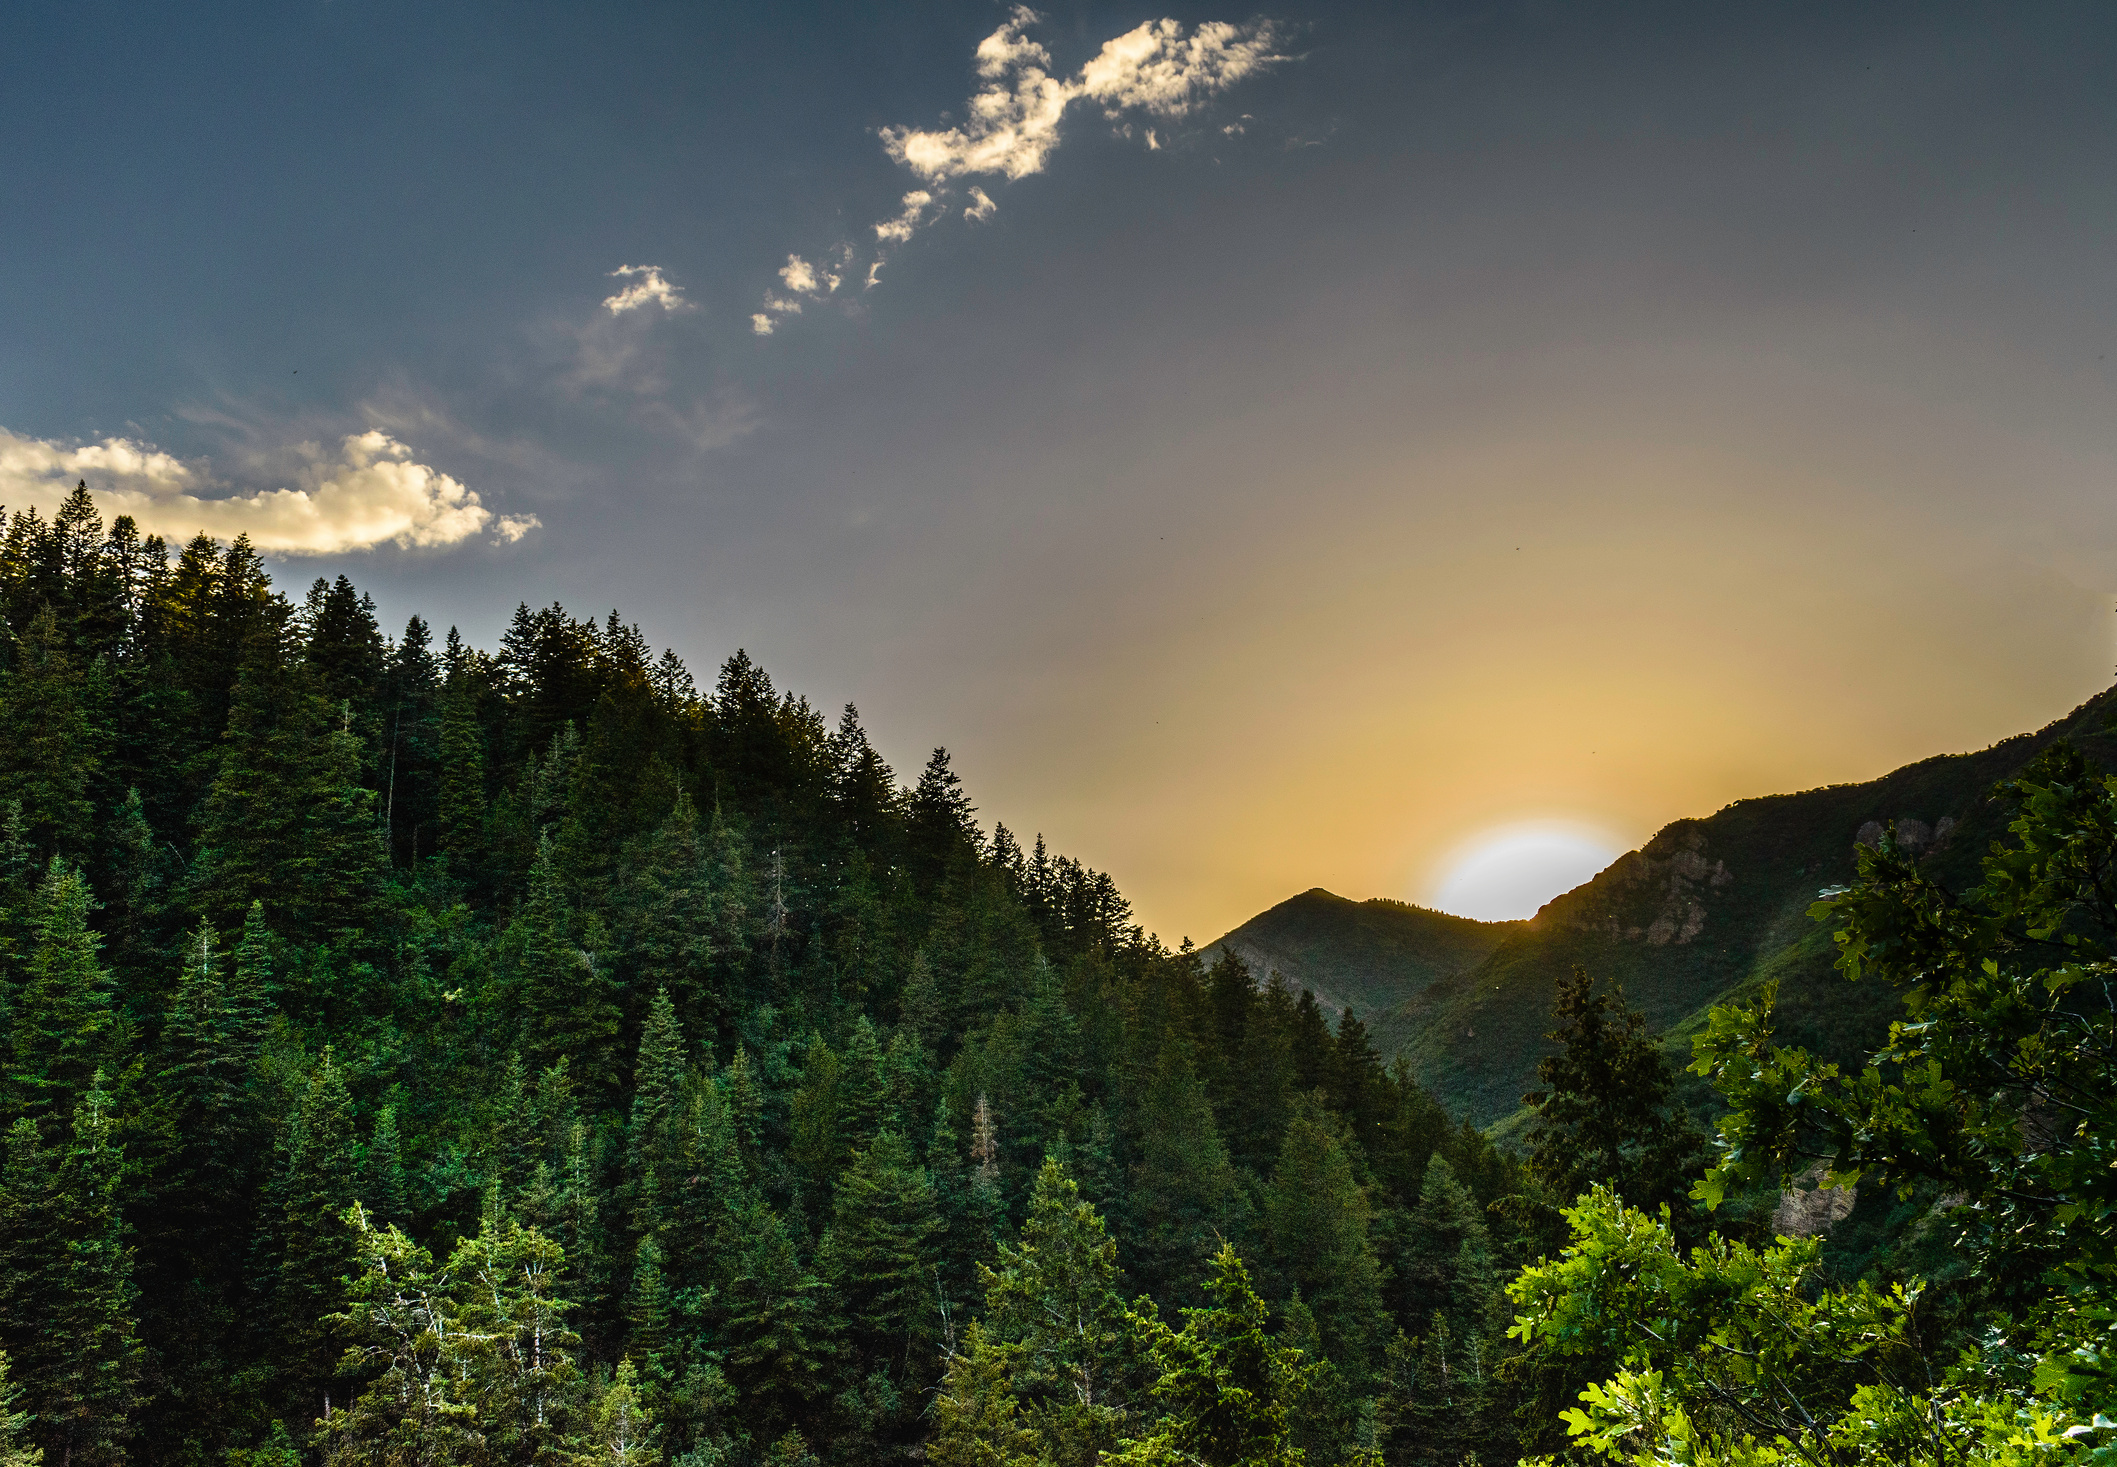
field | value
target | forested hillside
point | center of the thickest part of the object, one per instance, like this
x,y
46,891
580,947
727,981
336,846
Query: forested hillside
x,y
434,1056
424,1053
1365,956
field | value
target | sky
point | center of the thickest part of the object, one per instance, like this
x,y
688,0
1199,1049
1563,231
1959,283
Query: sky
x,y
1269,449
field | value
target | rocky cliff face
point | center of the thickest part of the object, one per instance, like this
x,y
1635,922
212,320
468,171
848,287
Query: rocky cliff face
x,y
1656,895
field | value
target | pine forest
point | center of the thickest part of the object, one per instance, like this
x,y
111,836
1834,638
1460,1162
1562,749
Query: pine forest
x,y
415,1053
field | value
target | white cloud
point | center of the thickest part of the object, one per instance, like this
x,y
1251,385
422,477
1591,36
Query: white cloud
x,y
1156,68
1013,121
805,279
899,229
369,492
650,289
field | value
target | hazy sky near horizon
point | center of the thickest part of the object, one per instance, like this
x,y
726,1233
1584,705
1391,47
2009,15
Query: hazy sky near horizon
x,y
1280,447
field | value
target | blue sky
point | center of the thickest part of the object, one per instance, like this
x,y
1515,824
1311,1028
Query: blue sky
x,y
1458,414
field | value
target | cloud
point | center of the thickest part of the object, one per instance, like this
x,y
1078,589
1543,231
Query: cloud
x,y
367,492
803,278
1012,122
651,289
899,229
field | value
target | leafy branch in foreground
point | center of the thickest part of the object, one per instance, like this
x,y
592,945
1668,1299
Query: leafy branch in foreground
x,y
1996,1095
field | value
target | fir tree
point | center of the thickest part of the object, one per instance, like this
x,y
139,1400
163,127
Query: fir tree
x,y
85,1406
382,1185
1605,1111
1052,1304
779,1338
16,1447
620,1433
881,1254
977,1419
63,1020
1184,1191
1316,1218
462,777
569,1003
52,737
1226,1385
316,1248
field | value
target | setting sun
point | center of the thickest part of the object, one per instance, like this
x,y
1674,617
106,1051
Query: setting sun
x,y
1507,873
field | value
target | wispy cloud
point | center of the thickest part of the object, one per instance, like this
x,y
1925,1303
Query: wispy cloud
x,y
1012,121
368,491
649,288
899,229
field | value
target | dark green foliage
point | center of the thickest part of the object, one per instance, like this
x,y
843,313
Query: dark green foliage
x,y
69,1286
1316,1218
522,1058
320,1171
1605,1111
63,1024
1227,1386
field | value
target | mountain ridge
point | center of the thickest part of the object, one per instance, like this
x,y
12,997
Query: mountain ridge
x,y
1708,909
1357,954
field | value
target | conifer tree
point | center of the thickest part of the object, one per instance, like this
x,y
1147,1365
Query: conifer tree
x,y
1605,1108
1316,1224
653,1146
673,916
568,1000
53,736
977,1418
62,1020
1226,1385
16,1447
1448,1265
411,1352
817,1144
316,1248
382,1185
862,1087
779,1338
506,1288
881,1253
621,1433
202,1215
141,870
1184,1191
462,777
1052,1302
516,1147
85,1404
32,1253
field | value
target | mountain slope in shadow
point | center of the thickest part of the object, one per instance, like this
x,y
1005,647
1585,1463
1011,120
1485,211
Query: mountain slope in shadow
x,y
1367,955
